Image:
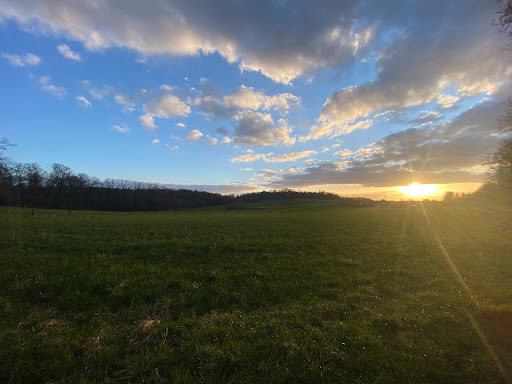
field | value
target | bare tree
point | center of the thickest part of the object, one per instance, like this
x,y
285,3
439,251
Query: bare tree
x,y
6,165
5,144
500,161
58,178
504,19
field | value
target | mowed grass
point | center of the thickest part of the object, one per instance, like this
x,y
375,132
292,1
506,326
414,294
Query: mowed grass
x,y
327,295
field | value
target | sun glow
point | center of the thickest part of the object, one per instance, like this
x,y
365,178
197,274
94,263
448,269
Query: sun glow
x,y
418,190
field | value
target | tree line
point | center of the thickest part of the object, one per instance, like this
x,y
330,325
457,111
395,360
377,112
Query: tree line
x,y
290,194
29,185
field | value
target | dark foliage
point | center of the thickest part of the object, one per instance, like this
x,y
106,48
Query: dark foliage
x,y
60,188
289,194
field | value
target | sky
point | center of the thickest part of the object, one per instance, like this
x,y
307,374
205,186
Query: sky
x,y
233,96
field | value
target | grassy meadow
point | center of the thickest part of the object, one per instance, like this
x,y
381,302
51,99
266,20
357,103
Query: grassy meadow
x,y
277,292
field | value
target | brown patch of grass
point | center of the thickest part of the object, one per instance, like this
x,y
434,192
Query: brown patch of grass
x,y
142,335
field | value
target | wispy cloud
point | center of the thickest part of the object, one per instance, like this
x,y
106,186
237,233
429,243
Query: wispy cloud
x,y
124,129
65,51
269,158
26,60
125,100
83,102
47,86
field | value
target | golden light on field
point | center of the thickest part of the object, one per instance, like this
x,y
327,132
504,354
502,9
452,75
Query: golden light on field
x,y
418,190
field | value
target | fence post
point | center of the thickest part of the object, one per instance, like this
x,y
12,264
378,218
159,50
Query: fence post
x,y
32,211
69,212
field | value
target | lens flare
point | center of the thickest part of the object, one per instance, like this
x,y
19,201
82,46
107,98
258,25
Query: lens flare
x,y
418,190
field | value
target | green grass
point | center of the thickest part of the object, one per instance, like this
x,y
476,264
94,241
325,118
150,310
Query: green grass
x,y
326,294
295,204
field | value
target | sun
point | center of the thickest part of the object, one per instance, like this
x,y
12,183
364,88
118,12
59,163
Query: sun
x,y
418,190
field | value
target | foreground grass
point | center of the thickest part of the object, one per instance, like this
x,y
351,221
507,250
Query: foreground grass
x,y
335,295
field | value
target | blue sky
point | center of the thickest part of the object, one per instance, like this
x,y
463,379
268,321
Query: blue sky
x,y
356,98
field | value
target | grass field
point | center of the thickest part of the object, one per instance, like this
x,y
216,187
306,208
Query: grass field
x,y
366,295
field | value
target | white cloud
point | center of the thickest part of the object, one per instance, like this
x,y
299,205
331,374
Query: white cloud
x,y
246,169
194,135
292,156
447,100
447,153
212,140
165,107
124,130
148,122
65,51
344,153
293,39
171,147
83,102
56,91
416,68
180,125
247,158
155,141
29,59
335,128
247,98
212,105
96,92
269,158
226,140
258,129
125,100
166,87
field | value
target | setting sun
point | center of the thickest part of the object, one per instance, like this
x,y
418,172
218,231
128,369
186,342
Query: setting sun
x,y
418,190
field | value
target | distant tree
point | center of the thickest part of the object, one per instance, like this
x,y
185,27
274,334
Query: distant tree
x,y
59,178
5,162
500,163
448,196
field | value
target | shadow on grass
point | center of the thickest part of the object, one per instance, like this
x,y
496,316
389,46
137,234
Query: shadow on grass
x,y
498,325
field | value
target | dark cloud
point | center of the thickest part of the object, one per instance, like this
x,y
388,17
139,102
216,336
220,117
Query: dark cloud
x,y
222,130
438,45
450,153
282,40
